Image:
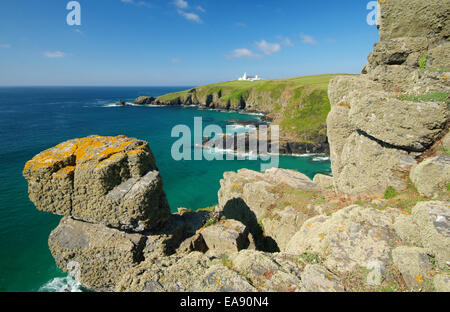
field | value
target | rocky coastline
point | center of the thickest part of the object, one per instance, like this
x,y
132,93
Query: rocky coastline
x,y
275,101
286,145
380,223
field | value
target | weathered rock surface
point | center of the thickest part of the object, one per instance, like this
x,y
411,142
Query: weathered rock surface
x,y
446,142
108,180
376,271
441,282
411,126
267,272
407,229
413,263
316,278
350,238
323,181
227,236
173,273
95,255
369,168
429,227
283,225
219,278
433,223
432,176
252,197
143,100
418,19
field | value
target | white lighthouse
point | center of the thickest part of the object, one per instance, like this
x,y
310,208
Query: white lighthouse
x,y
249,78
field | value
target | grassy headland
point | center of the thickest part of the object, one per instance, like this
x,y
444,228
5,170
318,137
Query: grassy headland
x,y
299,105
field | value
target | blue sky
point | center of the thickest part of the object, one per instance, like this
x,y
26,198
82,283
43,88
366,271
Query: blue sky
x,y
180,42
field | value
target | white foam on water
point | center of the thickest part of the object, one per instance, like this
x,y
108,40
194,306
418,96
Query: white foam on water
x,y
62,284
249,113
151,105
321,159
112,105
301,155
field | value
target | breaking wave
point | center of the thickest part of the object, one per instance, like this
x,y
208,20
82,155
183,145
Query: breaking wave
x,y
62,284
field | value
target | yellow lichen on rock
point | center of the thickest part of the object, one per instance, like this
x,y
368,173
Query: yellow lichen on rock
x,y
108,180
64,172
78,151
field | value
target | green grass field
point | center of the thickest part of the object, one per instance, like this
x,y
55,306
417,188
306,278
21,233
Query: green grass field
x,y
275,86
299,105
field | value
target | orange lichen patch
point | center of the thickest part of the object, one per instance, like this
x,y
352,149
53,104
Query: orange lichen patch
x,y
100,147
82,150
50,157
268,274
64,172
344,105
136,152
419,279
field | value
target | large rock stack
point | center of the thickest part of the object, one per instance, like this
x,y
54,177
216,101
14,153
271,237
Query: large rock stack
x,y
110,192
113,181
385,120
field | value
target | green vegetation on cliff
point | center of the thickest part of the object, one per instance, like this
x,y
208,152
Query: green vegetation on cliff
x,y
299,105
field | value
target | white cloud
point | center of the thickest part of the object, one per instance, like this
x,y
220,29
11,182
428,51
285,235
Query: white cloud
x,y
138,3
238,53
176,60
5,46
308,39
181,4
55,54
190,16
268,48
240,24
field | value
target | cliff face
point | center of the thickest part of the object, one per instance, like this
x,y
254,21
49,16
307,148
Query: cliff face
x,y
299,105
384,121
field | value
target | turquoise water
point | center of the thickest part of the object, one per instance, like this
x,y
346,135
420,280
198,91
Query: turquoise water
x,y
34,119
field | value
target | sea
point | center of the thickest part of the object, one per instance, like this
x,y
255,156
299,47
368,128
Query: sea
x,y
33,119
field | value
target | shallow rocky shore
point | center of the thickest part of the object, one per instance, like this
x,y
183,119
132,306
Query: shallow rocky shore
x,y
380,223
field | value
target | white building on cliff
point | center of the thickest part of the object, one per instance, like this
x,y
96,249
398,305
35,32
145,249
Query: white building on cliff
x,y
249,78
